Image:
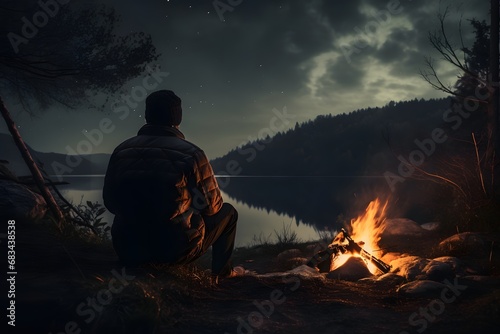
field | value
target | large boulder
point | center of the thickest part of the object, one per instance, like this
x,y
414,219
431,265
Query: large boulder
x,y
18,202
410,267
437,271
402,234
467,243
402,227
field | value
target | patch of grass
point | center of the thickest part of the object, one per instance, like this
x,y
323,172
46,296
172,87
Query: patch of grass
x,y
261,240
286,236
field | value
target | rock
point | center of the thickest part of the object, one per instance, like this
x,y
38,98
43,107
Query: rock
x,y
402,227
352,270
401,234
289,254
467,243
437,271
431,226
454,262
369,280
390,278
421,287
410,267
417,268
18,202
304,271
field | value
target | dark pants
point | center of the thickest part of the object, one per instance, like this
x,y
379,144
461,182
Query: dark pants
x,y
136,245
220,232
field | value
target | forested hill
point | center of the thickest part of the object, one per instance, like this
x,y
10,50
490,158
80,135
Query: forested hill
x,y
341,162
363,142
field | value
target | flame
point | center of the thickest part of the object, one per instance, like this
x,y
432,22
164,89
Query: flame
x,y
366,230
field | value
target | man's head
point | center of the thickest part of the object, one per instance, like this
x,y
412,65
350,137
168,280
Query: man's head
x,y
163,108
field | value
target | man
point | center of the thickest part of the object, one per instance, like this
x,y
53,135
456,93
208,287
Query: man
x,y
167,203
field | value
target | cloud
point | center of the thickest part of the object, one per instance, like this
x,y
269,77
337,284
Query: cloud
x,y
342,76
271,54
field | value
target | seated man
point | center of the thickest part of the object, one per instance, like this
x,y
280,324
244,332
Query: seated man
x,y
167,203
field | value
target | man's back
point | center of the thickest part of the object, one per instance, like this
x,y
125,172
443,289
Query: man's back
x,y
148,175
149,186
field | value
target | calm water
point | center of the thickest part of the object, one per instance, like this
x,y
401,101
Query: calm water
x,y
253,221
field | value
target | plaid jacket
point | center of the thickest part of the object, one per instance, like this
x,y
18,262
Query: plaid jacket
x,y
159,184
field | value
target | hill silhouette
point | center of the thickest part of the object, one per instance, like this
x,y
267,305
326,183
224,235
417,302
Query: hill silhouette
x,y
336,164
52,162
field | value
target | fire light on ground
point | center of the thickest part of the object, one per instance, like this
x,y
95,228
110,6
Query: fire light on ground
x,y
366,231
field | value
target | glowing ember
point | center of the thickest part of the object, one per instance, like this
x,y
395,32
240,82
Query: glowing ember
x,y
366,231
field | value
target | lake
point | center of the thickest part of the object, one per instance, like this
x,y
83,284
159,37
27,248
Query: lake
x,y
254,221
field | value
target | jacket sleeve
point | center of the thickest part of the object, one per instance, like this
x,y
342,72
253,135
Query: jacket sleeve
x,y
207,197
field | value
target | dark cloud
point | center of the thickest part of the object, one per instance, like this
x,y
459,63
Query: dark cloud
x,y
270,54
410,65
342,15
342,76
390,52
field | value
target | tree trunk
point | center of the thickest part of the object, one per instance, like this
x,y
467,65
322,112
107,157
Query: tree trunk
x,y
493,112
37,176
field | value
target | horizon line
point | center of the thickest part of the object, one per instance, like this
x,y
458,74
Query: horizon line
x,y
251,176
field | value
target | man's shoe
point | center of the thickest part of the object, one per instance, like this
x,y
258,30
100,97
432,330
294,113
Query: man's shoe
x,y
235,272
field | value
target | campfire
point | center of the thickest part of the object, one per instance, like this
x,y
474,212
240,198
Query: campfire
x,y
362,242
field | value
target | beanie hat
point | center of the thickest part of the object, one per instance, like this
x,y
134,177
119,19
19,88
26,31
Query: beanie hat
x,y
163,108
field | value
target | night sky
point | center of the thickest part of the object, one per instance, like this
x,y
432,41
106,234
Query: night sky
x,y
307,57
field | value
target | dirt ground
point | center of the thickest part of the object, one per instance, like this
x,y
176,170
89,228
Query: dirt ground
x,y
69,286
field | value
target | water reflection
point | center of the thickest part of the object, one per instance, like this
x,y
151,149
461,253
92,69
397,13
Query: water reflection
x,y
315,201
253,221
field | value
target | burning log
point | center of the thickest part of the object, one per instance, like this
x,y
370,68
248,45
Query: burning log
x,y
343,244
